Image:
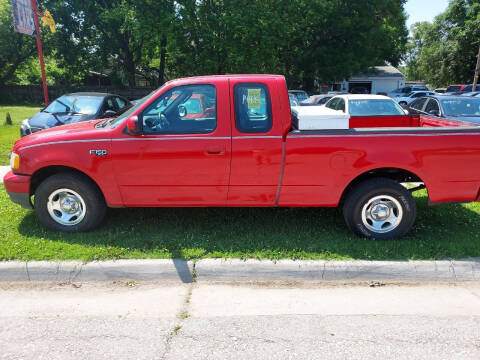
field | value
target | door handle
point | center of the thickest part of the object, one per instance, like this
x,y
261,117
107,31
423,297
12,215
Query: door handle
x,y
215,150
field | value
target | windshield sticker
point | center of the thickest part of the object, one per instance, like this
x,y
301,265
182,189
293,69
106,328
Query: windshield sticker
x,y
253,98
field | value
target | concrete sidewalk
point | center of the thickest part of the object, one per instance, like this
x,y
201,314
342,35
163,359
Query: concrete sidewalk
x,y
220,270
3,171
155,320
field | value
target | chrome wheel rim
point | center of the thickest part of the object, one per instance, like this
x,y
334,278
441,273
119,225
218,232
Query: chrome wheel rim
x,y
382,214
66,207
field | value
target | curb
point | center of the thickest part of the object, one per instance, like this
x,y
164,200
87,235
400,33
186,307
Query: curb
x,y
289,270
75,271
236,270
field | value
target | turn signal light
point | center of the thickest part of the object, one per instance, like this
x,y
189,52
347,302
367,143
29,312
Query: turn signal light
x,y
14,161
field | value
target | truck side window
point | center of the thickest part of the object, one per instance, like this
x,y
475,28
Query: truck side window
x,y
253,110
187,109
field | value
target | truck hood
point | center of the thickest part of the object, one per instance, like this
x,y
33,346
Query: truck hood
x,y
85,130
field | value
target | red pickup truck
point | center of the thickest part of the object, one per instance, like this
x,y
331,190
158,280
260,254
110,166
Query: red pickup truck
x,y
244,151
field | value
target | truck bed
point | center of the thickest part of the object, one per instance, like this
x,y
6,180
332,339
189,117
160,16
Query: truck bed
x,y
320,164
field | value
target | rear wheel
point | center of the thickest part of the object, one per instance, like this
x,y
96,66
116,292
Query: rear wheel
x,y
402,103
380,209
69,202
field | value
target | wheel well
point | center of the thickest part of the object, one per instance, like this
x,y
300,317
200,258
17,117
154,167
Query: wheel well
x,y
396,174
40,175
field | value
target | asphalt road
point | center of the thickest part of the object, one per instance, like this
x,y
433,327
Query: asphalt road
x,y
241,321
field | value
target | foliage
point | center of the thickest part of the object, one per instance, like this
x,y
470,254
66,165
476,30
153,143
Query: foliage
x,y
444,52
306,40
9,133
448,231
15,48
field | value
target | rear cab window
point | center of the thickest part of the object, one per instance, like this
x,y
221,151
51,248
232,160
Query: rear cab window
x,y
253,108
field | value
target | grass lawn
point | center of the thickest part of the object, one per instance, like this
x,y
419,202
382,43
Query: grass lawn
x,y
10,133
447,231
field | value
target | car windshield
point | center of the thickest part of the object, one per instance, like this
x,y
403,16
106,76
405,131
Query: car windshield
x,y
461,107
370,107
83,104
118,120
301,95
293,100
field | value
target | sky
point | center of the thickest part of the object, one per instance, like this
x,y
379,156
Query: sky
x,y
424,10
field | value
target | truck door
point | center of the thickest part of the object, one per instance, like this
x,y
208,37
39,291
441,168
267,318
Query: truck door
x,y
256,143
183,156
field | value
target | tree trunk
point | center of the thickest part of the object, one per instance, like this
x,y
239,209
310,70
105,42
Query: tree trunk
x,y
163,55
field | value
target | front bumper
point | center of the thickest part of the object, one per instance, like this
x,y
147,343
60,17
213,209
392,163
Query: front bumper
x,y
22,199
18,188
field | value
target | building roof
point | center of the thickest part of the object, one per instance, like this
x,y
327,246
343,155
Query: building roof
x,y
381,72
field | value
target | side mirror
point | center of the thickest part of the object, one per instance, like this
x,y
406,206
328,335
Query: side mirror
x,y
182,111
434,112
133,125
406,111
109,113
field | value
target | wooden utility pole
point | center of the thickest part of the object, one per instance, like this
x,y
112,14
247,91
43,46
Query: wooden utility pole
x,y
477,70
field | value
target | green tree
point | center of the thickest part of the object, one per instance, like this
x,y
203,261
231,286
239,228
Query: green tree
x,y
117,37
445,51
303,39
15,48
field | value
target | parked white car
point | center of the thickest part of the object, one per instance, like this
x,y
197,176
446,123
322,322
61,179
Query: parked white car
x,y
338,111
406,100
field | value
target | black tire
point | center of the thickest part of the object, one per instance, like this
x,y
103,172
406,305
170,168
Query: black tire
x,y
363,198
93,202
402,103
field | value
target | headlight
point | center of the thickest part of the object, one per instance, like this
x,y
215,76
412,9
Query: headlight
x,y
14,161
25,124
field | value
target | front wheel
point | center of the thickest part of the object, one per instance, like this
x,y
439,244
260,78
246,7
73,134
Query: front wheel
x,y
69,202
380,209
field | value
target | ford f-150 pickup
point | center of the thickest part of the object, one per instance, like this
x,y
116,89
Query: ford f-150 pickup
x,y
245,150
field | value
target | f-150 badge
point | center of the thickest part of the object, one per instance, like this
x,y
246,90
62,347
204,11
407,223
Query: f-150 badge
x,y
98,152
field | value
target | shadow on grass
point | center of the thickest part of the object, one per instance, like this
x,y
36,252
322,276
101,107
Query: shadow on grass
x,y
447,231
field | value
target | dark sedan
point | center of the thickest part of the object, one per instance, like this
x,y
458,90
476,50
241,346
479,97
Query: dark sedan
x,y
76,107
451,107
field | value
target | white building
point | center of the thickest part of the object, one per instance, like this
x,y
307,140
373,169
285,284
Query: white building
x,y
379,79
